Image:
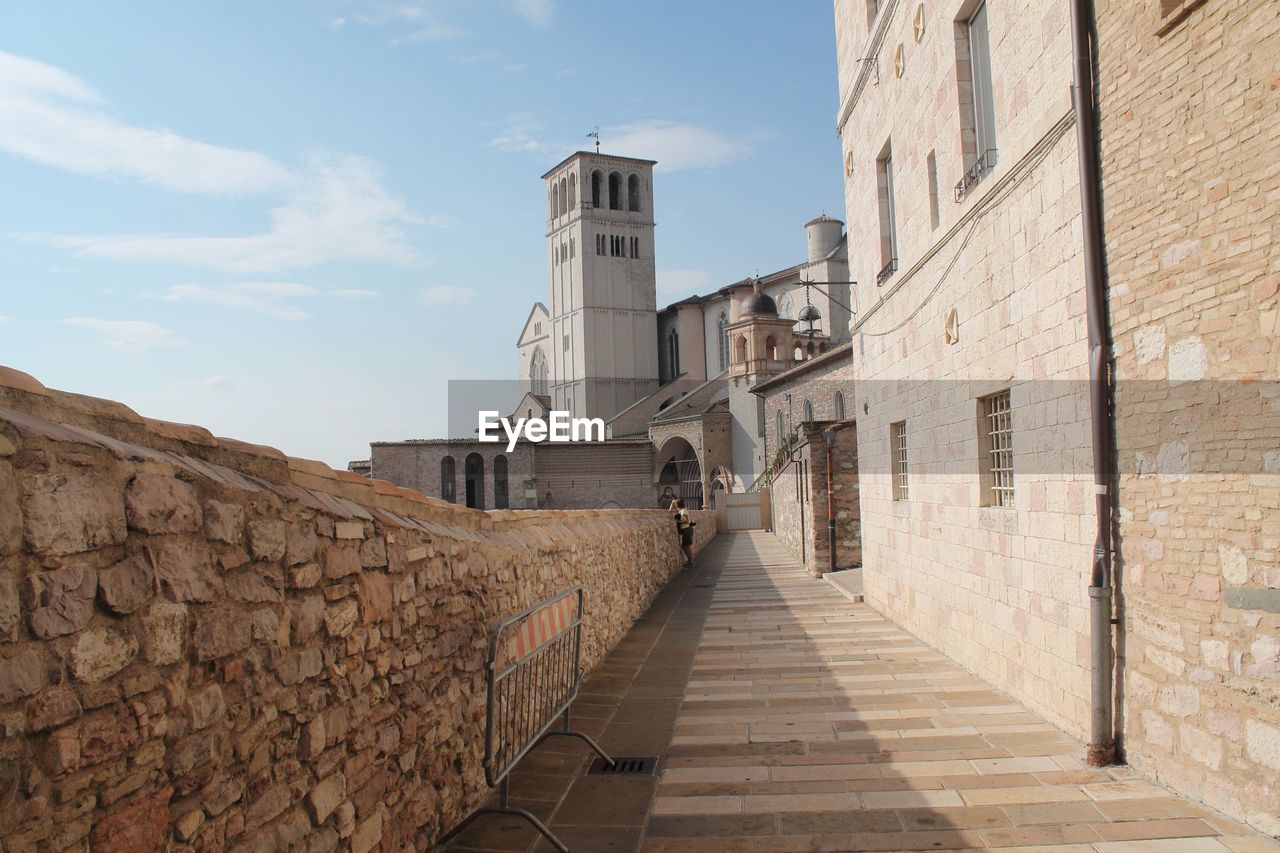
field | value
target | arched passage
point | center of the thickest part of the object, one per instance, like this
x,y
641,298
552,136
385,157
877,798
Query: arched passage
x,y
679,469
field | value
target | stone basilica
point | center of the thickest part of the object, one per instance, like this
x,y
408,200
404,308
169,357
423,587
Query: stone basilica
x,y
673,384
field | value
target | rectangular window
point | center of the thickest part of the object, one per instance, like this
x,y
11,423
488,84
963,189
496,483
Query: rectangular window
x,y
995,438
984,110
977,101
898,448
635,247
566,343
572,248
888,218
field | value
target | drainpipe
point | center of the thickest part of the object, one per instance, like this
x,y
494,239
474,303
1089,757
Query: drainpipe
x,y
827,438
1102,745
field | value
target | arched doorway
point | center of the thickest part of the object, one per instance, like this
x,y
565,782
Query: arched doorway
x,y
680,472
474,471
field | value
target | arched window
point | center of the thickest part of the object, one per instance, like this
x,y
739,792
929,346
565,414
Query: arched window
x,y
770,348
446,480
615,191
633,193
723,336
808,410
474,472
777,426
673,353
500,499
573,192
799,354
596,178
538,372
564,196
838,405
551,204
740,350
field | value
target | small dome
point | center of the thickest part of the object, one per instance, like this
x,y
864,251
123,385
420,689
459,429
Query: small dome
x,y
809,312
759,302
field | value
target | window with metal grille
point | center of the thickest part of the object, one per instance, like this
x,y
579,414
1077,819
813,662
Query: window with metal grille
x,y
898,446
996,434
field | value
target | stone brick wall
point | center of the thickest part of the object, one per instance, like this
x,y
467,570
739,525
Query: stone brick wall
x,y
1190,158
798,500
416,465
798,491
206,644
1002,590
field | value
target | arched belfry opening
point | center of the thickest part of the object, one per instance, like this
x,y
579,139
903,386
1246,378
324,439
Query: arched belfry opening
x,y
633,193
615,191
596,179
573,192
474,471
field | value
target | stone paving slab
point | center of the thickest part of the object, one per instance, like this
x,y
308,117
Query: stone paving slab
x,y
789,718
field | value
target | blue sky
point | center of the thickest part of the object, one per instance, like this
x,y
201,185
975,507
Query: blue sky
x,y
293,222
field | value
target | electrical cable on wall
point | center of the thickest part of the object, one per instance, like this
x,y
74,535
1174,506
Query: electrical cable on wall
x,y
1023,171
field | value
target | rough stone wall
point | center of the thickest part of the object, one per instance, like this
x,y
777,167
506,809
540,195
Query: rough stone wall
x,y
206,644
798,500
1002,590
1191,162
819,385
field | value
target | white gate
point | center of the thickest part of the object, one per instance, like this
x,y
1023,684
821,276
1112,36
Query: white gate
x,y
742,510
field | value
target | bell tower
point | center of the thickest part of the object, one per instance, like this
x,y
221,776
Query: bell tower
x,y
600,267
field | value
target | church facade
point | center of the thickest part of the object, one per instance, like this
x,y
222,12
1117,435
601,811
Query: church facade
x,y
673,384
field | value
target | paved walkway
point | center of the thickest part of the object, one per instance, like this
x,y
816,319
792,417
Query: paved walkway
x,y
789,718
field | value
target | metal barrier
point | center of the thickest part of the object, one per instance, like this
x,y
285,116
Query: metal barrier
x,y
534,667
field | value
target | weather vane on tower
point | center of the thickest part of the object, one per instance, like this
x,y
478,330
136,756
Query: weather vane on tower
x,y
595,134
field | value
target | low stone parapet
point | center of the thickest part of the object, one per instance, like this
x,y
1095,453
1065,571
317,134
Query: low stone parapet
x,y
208,643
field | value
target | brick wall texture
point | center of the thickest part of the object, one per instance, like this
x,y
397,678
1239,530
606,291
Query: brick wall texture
x,y
798,498
206,644
798,487
1191,166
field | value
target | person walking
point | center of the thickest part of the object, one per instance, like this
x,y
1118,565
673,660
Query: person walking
x,y
684,526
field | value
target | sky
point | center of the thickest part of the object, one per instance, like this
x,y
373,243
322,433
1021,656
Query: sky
x,y
294,222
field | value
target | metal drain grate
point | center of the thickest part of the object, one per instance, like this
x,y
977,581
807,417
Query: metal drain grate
x,y
630,766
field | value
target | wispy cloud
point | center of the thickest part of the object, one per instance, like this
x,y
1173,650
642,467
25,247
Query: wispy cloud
x,y
677,146
3,319
56,119
409,22
523,134
332,207
128,335
356,293
273,298
537,13
447,294
340,211
414,21
679,283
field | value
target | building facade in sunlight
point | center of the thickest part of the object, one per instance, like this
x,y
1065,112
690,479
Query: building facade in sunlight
x,y
971,362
